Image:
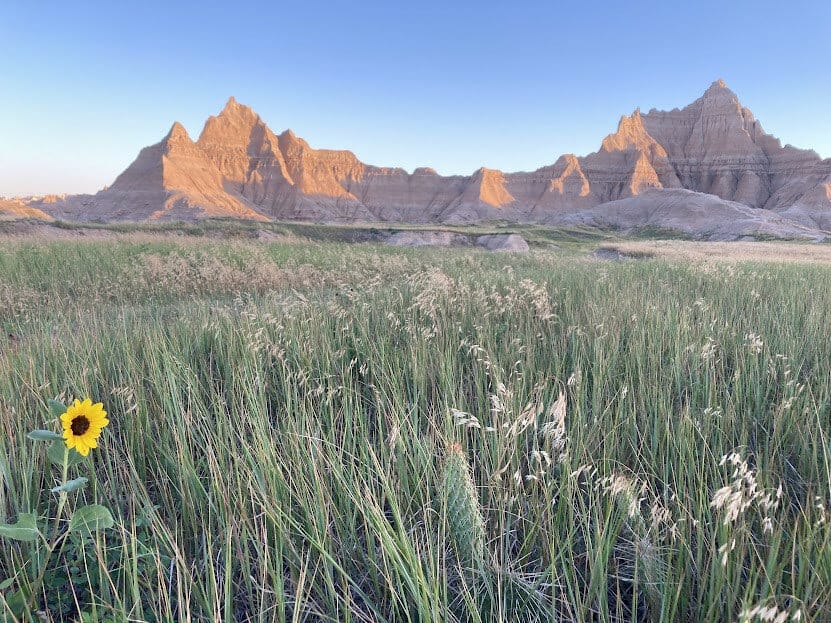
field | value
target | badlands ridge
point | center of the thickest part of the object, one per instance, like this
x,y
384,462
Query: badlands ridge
x,y
708,170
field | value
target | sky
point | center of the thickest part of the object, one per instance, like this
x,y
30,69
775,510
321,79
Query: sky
x,y
451,85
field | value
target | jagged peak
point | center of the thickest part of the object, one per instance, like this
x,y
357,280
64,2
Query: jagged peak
x,y
564,165
631,123
631,134
177,133
231,105
568,159
289,140
234,110
233,123
719,90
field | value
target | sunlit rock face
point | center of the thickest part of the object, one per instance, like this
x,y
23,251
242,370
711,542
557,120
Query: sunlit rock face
x,y
239,168
716,146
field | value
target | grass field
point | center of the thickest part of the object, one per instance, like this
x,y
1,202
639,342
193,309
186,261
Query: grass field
x,y
333,432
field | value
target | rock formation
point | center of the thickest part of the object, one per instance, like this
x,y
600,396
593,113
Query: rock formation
x,y
716,146
697,214
708,169
14,209
513,243
173,179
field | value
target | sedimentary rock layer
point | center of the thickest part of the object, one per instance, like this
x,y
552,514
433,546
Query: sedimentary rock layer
x,y
713,148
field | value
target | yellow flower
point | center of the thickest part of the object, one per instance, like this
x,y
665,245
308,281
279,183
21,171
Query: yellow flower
x,y
82,424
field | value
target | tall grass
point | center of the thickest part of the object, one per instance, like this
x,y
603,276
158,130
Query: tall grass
x,y
284,418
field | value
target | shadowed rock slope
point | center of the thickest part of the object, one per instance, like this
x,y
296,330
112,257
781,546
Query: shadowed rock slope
x,y
738,180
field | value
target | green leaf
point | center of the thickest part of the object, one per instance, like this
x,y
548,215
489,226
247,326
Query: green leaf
x,y
91,518
26,528
17,604
44,435
55,454
71,485
56,409
6,584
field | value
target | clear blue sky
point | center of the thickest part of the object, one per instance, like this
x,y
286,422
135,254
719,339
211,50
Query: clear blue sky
x,y
453,85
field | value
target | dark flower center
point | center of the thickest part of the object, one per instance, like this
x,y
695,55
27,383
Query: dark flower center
x,y
79,425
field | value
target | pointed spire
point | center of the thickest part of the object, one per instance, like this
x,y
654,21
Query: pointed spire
x,y
719,95
631,133
236,111
177,133
231,104
718,87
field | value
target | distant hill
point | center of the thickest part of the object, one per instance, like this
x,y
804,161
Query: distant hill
x,y
708,169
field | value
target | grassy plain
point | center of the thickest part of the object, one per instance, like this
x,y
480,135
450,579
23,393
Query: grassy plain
x,y
285,418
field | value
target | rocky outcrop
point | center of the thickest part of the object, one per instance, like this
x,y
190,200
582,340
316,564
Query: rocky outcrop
x,y
700,215
713,148
716,146
812,207
17,209
513,243
171,180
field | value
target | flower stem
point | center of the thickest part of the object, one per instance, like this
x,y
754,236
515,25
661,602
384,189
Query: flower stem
x,y
53,543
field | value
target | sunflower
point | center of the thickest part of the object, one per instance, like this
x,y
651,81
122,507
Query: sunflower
x,y
82,424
